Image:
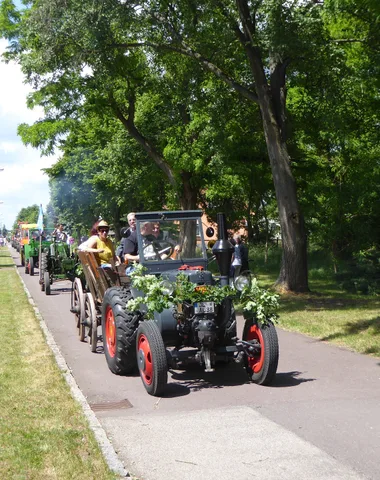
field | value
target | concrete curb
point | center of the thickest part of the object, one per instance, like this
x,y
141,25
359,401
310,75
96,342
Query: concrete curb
x,y
105,445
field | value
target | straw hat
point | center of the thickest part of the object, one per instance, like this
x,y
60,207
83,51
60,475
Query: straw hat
x,y
103,224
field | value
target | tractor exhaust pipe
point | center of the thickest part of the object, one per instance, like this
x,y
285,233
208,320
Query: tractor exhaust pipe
x,y
223,250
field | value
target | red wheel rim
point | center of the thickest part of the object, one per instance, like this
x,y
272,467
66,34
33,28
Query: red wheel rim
x,y
255,363
110,332
145,356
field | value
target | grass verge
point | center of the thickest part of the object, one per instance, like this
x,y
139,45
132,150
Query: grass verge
x,y
330,314
43,432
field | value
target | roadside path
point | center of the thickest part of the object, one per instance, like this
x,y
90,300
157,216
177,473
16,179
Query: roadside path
x,y
320,419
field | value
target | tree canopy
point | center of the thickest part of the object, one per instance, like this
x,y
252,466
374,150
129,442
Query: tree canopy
x,y
250,107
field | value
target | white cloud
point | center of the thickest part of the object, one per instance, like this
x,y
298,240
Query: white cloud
x,y
21,182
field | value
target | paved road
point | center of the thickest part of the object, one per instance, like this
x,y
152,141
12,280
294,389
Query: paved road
x,y
319,420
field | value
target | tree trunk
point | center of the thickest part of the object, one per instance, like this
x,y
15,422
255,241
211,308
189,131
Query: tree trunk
x,y
189,201
271,99
293,274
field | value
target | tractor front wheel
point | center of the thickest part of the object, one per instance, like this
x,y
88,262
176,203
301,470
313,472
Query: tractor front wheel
x,y
119,329
261,367
151,358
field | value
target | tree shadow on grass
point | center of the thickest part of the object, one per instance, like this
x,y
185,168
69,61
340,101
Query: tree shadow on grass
x,y
356,328
318,302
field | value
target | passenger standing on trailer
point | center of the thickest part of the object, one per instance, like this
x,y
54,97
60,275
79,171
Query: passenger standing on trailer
x,y
125,232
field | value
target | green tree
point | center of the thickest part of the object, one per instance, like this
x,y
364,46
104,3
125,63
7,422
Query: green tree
x,y
27,215
251,59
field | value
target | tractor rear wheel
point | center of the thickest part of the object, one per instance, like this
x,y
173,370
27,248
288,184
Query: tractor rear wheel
x,y
262,367
31,266
151,358
43,263
47,283
119,329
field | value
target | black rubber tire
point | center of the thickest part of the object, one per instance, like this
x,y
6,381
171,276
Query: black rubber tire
x,y
43,262
151,358
119,330
43,268
77,303
22,259
91,321
262,369
31,266
26,267
47,283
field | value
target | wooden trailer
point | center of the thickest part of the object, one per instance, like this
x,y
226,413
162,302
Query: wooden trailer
x,y
87,295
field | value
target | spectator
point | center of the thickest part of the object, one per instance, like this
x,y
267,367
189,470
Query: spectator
x,y
240,257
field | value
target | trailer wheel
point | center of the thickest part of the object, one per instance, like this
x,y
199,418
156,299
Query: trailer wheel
x,y
119,329
31,266
91,321
77,302
47,283
262,367
151,358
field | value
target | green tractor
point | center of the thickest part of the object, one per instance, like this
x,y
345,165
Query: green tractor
x,y
56,263
30,247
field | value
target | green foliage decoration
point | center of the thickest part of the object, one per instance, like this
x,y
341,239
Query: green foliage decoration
x,y
259,303
255,301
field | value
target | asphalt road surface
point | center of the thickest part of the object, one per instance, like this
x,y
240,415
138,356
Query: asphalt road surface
x,y
319,420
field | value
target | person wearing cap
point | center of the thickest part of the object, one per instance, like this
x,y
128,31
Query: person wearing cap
x,y
102,246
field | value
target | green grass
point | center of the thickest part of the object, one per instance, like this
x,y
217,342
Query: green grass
x,y
328,312
43,432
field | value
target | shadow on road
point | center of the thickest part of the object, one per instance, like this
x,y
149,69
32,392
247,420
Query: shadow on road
x,y
194,379
290,379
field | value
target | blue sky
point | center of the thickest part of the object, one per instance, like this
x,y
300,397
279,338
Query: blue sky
x,y
22,183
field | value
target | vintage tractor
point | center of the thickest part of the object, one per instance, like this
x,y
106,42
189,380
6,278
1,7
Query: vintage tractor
x,y
31,250
175,310
56,263
29,246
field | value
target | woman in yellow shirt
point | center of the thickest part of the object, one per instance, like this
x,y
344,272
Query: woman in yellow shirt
x,y
101,245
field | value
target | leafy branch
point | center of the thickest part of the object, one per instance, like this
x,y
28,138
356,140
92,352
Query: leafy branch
x,y
255,301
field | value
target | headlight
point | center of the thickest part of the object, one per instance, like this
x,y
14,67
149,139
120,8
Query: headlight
x,y
242,281
167,287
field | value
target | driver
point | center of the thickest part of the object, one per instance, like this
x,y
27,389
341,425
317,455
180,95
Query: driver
x,y
131,250
160,238
150,244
